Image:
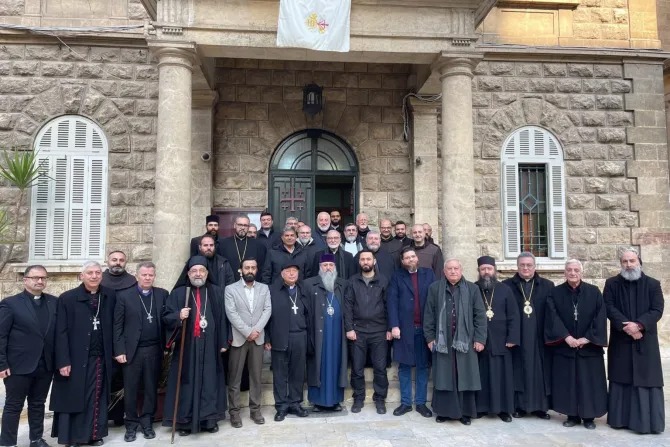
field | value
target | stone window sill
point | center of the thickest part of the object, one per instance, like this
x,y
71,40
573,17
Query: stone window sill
x,y
54,267
543,4
543,265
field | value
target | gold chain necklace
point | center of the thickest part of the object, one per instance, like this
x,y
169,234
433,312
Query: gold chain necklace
x,y
240,258
527,308
489,304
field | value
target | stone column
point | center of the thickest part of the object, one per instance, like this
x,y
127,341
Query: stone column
x,y
458,176
424,163
201,166
172,209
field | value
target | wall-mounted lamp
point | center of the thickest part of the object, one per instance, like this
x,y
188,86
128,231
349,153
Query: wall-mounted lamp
x,y
312,99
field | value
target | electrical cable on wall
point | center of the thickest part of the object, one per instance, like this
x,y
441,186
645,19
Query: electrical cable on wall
x,y
405,110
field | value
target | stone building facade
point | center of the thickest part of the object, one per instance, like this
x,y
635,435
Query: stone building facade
x,y
186,78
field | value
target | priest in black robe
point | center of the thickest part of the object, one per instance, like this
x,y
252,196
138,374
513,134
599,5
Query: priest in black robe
x,y
83,355
634,304
239,246
530,359
219,271
211,229
576,330
503,327
116,277
202,395
344,261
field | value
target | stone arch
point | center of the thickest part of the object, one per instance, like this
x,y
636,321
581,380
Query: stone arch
x,y
60,98
525,112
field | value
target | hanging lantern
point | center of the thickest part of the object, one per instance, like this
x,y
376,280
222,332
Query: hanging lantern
x,y
312,99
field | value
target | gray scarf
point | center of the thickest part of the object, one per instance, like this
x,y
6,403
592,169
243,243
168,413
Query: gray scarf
x,y
461,342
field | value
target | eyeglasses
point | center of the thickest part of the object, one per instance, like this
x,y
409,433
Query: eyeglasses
x,y
333,238
242,225
37,278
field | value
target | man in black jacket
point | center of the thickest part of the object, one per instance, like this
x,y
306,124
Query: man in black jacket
x,y
212,229
344,261
266,233
286,336
366,325
27,329
138,346
219,271
287,250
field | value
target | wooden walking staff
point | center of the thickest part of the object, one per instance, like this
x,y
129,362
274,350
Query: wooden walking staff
x,y
181,360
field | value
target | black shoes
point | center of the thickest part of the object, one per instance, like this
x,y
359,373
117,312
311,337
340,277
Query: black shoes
x,y
381,407
130,436
541,414
96,442
280,416
589,424
356,407
298,411
571,422
337,407
465,420
149,433
212,430
257,418
236,420
402,409
518,414
184,432
39,443
423,410
505,417
441,419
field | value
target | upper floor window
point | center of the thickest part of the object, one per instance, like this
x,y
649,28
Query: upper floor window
x,y
69,201
533,194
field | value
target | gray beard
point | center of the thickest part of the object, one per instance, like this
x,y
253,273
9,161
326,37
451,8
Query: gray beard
x,y
488,283
198,282
632,275
117,270
351,239
328,279
305,241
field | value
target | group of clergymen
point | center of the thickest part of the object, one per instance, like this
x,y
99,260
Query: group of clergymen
x,y
321,303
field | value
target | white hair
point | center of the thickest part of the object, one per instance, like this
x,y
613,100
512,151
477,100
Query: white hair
x,y
574,261
629,250
88,264
453,259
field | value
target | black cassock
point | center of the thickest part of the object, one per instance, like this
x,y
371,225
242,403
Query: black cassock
x,y
634,366
495,361
202,401
79,401
578,386
235,250
219,272
531,360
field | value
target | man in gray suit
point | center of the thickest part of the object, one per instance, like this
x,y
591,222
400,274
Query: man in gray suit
x,y
248,308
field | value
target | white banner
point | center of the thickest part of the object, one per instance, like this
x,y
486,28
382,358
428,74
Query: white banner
x,y
321,25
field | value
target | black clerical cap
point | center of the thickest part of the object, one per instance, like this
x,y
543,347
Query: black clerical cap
x,y
488,260
213,218
197,260
289,264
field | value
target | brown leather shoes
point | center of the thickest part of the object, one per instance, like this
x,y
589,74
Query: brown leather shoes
x,y
258,418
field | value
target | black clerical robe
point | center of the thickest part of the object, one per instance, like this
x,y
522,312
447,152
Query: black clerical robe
x,y
202,401
578,374
219,272
79,401
634,366
495,361
531,359
117,282
235,250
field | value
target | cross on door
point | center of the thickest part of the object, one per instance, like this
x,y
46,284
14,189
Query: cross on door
x,y
293,198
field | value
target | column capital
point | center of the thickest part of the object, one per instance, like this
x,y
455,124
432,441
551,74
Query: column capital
x,y
419,107
456,64
181,54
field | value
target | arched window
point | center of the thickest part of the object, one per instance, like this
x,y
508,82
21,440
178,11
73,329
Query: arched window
x,y
533,190
69,201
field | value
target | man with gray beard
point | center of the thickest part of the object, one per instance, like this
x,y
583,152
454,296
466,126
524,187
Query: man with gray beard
x,y
634,303
327,367
503,333
344,261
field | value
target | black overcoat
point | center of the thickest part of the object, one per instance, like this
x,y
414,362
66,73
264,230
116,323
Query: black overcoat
x,y
277,329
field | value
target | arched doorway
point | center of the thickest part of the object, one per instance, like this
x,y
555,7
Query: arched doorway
x,y
313,171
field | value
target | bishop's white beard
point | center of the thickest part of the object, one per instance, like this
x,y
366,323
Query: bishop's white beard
x,y
351,239
198,282
304,241
632,275
328,279
325,228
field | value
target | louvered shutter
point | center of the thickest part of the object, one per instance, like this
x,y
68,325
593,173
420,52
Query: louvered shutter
x,y
69,206
557,221
511,209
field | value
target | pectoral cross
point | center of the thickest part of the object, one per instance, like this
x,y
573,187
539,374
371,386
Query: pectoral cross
x,y
150,318
576,314
295,309
96,322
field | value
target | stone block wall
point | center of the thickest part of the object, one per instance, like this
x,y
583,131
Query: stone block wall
x,y
663,21
260,104
117,88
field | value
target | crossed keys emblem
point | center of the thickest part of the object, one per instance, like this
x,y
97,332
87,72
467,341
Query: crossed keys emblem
x,y
293,198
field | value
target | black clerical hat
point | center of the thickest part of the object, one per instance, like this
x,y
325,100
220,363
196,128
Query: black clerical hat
x,y
212,218
489,260
197,260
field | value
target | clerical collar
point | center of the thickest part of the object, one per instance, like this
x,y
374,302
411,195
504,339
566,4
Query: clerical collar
x,y
412,271
142,291
240,238
32,295
91,292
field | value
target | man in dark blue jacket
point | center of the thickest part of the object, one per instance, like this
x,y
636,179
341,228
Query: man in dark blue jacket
x,y
407,294
27,329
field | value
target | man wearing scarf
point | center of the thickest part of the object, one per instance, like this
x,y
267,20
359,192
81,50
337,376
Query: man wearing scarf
x,y
503,327
634,304
202,396
454,325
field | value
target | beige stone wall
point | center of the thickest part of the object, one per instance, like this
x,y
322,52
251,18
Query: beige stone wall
x,y
114,86
590,23
261,104
663,21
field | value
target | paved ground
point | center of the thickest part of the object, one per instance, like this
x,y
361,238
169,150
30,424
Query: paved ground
x,y
368,429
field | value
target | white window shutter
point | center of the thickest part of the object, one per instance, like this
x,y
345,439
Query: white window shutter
x,y
511,222
557,219
78,186
39,214
60,205
97,204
